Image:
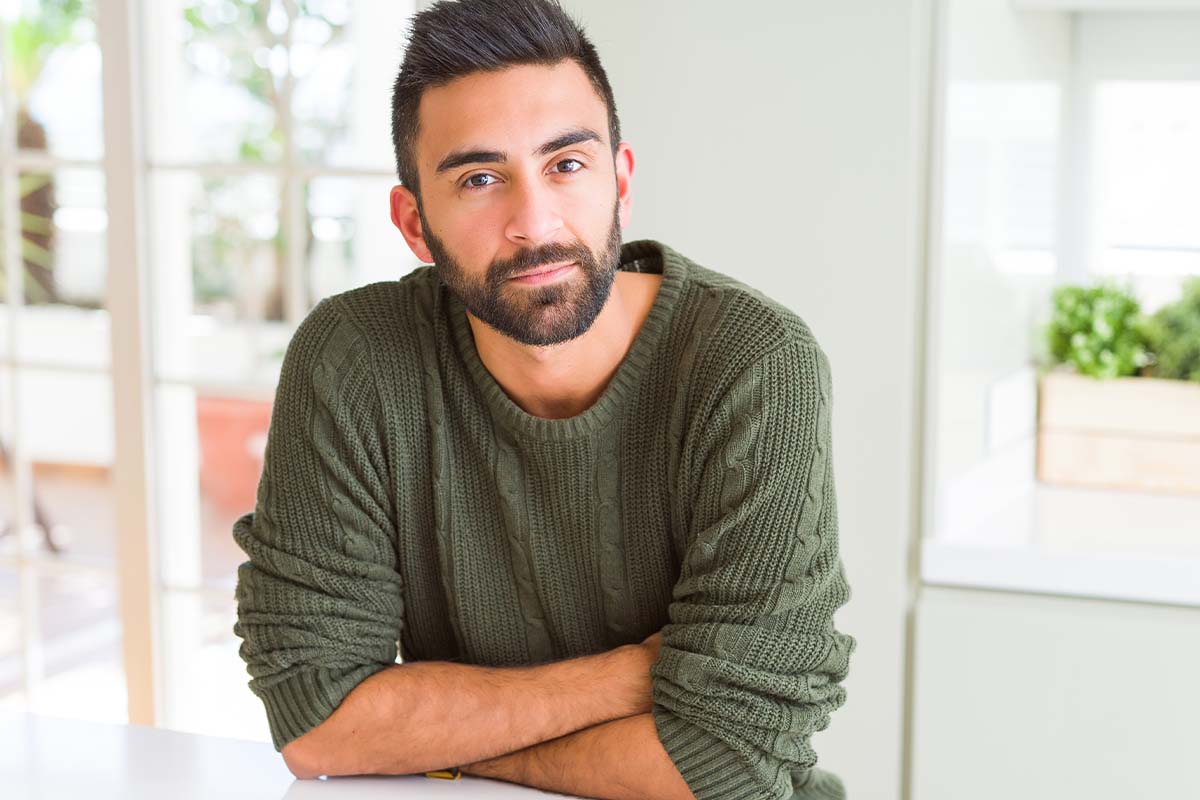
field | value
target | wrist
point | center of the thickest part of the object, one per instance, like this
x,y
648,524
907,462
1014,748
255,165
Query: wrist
x,y
630,671
506,767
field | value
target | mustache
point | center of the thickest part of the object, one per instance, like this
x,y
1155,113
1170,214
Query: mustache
x,y
544,255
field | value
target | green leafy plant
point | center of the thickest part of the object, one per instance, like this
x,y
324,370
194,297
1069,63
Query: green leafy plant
x,y
1099,330
32,39
1174,336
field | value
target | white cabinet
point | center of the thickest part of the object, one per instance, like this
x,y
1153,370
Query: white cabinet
x,y
1050,698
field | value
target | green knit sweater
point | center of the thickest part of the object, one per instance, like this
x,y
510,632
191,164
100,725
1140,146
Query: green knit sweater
x,y
408,506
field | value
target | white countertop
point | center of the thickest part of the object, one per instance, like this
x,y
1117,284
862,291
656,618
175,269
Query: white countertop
x,y
996,527
48,757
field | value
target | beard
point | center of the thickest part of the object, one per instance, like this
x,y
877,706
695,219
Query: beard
x,y
539,315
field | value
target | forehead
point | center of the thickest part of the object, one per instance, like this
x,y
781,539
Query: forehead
x,y
514,109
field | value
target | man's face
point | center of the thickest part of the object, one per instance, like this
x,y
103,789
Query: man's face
x,y
517,174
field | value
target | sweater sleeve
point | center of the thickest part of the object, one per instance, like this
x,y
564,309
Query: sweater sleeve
x,y
319,602
750,664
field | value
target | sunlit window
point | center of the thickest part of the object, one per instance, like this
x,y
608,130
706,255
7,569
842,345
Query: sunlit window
x,y
1146,160
268,165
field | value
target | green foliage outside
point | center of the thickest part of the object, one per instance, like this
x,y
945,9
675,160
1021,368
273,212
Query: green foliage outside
x,y
29,42
32,39
239,33
1174,336
222,40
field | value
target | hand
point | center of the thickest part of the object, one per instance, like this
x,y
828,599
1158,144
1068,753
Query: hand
x,y
651,643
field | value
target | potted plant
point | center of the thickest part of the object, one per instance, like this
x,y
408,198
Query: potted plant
x,y
1174,336
1119,402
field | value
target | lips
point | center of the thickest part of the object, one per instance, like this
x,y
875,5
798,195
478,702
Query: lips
x,y
544,269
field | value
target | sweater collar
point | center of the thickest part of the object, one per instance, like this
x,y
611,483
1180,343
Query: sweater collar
x,y
643,255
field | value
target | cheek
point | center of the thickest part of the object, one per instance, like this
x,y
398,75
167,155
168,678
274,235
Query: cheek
x,y
588,207
597,219
473,230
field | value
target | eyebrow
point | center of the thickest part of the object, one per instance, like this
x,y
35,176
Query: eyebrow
x,y
459,158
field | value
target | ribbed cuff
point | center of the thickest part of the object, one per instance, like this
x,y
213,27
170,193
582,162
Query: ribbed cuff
x,y
304,700
712,769
820,785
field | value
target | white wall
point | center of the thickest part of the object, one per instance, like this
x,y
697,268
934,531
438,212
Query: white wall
x,y
778,142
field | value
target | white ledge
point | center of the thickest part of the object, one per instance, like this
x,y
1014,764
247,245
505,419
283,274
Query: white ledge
x,y
1109,576
1107,5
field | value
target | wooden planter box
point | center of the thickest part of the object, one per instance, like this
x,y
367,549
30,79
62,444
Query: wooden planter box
x,y
1139,434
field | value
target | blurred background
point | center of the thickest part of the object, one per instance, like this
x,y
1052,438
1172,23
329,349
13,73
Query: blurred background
x,y
987,210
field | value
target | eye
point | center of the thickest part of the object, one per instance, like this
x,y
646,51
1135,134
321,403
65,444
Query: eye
x,y
472,187
571,161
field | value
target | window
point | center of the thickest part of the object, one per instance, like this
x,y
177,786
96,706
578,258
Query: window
x,y
1147,166
265,178
1067,150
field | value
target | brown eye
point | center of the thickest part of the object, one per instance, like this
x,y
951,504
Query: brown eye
x,y
571,161
467,183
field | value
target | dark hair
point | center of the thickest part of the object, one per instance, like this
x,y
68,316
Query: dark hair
x,y
451,39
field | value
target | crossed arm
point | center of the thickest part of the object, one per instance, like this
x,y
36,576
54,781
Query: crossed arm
x,y
580,726
620,760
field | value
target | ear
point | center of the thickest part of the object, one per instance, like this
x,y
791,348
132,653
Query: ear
x,y
408,220
624,168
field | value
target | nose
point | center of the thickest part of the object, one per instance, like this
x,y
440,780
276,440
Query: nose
x,y
535,217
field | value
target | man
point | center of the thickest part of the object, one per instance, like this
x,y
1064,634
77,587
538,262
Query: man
x,y
586,487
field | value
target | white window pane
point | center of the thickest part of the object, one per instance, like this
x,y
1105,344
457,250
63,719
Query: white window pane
x,y
8,498
53,69
344,58
8,504
215,72
10,635
77,661
1001,164
5,308
210,455
72,457
998,258
1147,165
205,679
63,245
351,238
12,671
219,268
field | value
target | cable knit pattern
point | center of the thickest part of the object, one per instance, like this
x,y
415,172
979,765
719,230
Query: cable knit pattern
x,y
409,507
751,664
319,601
